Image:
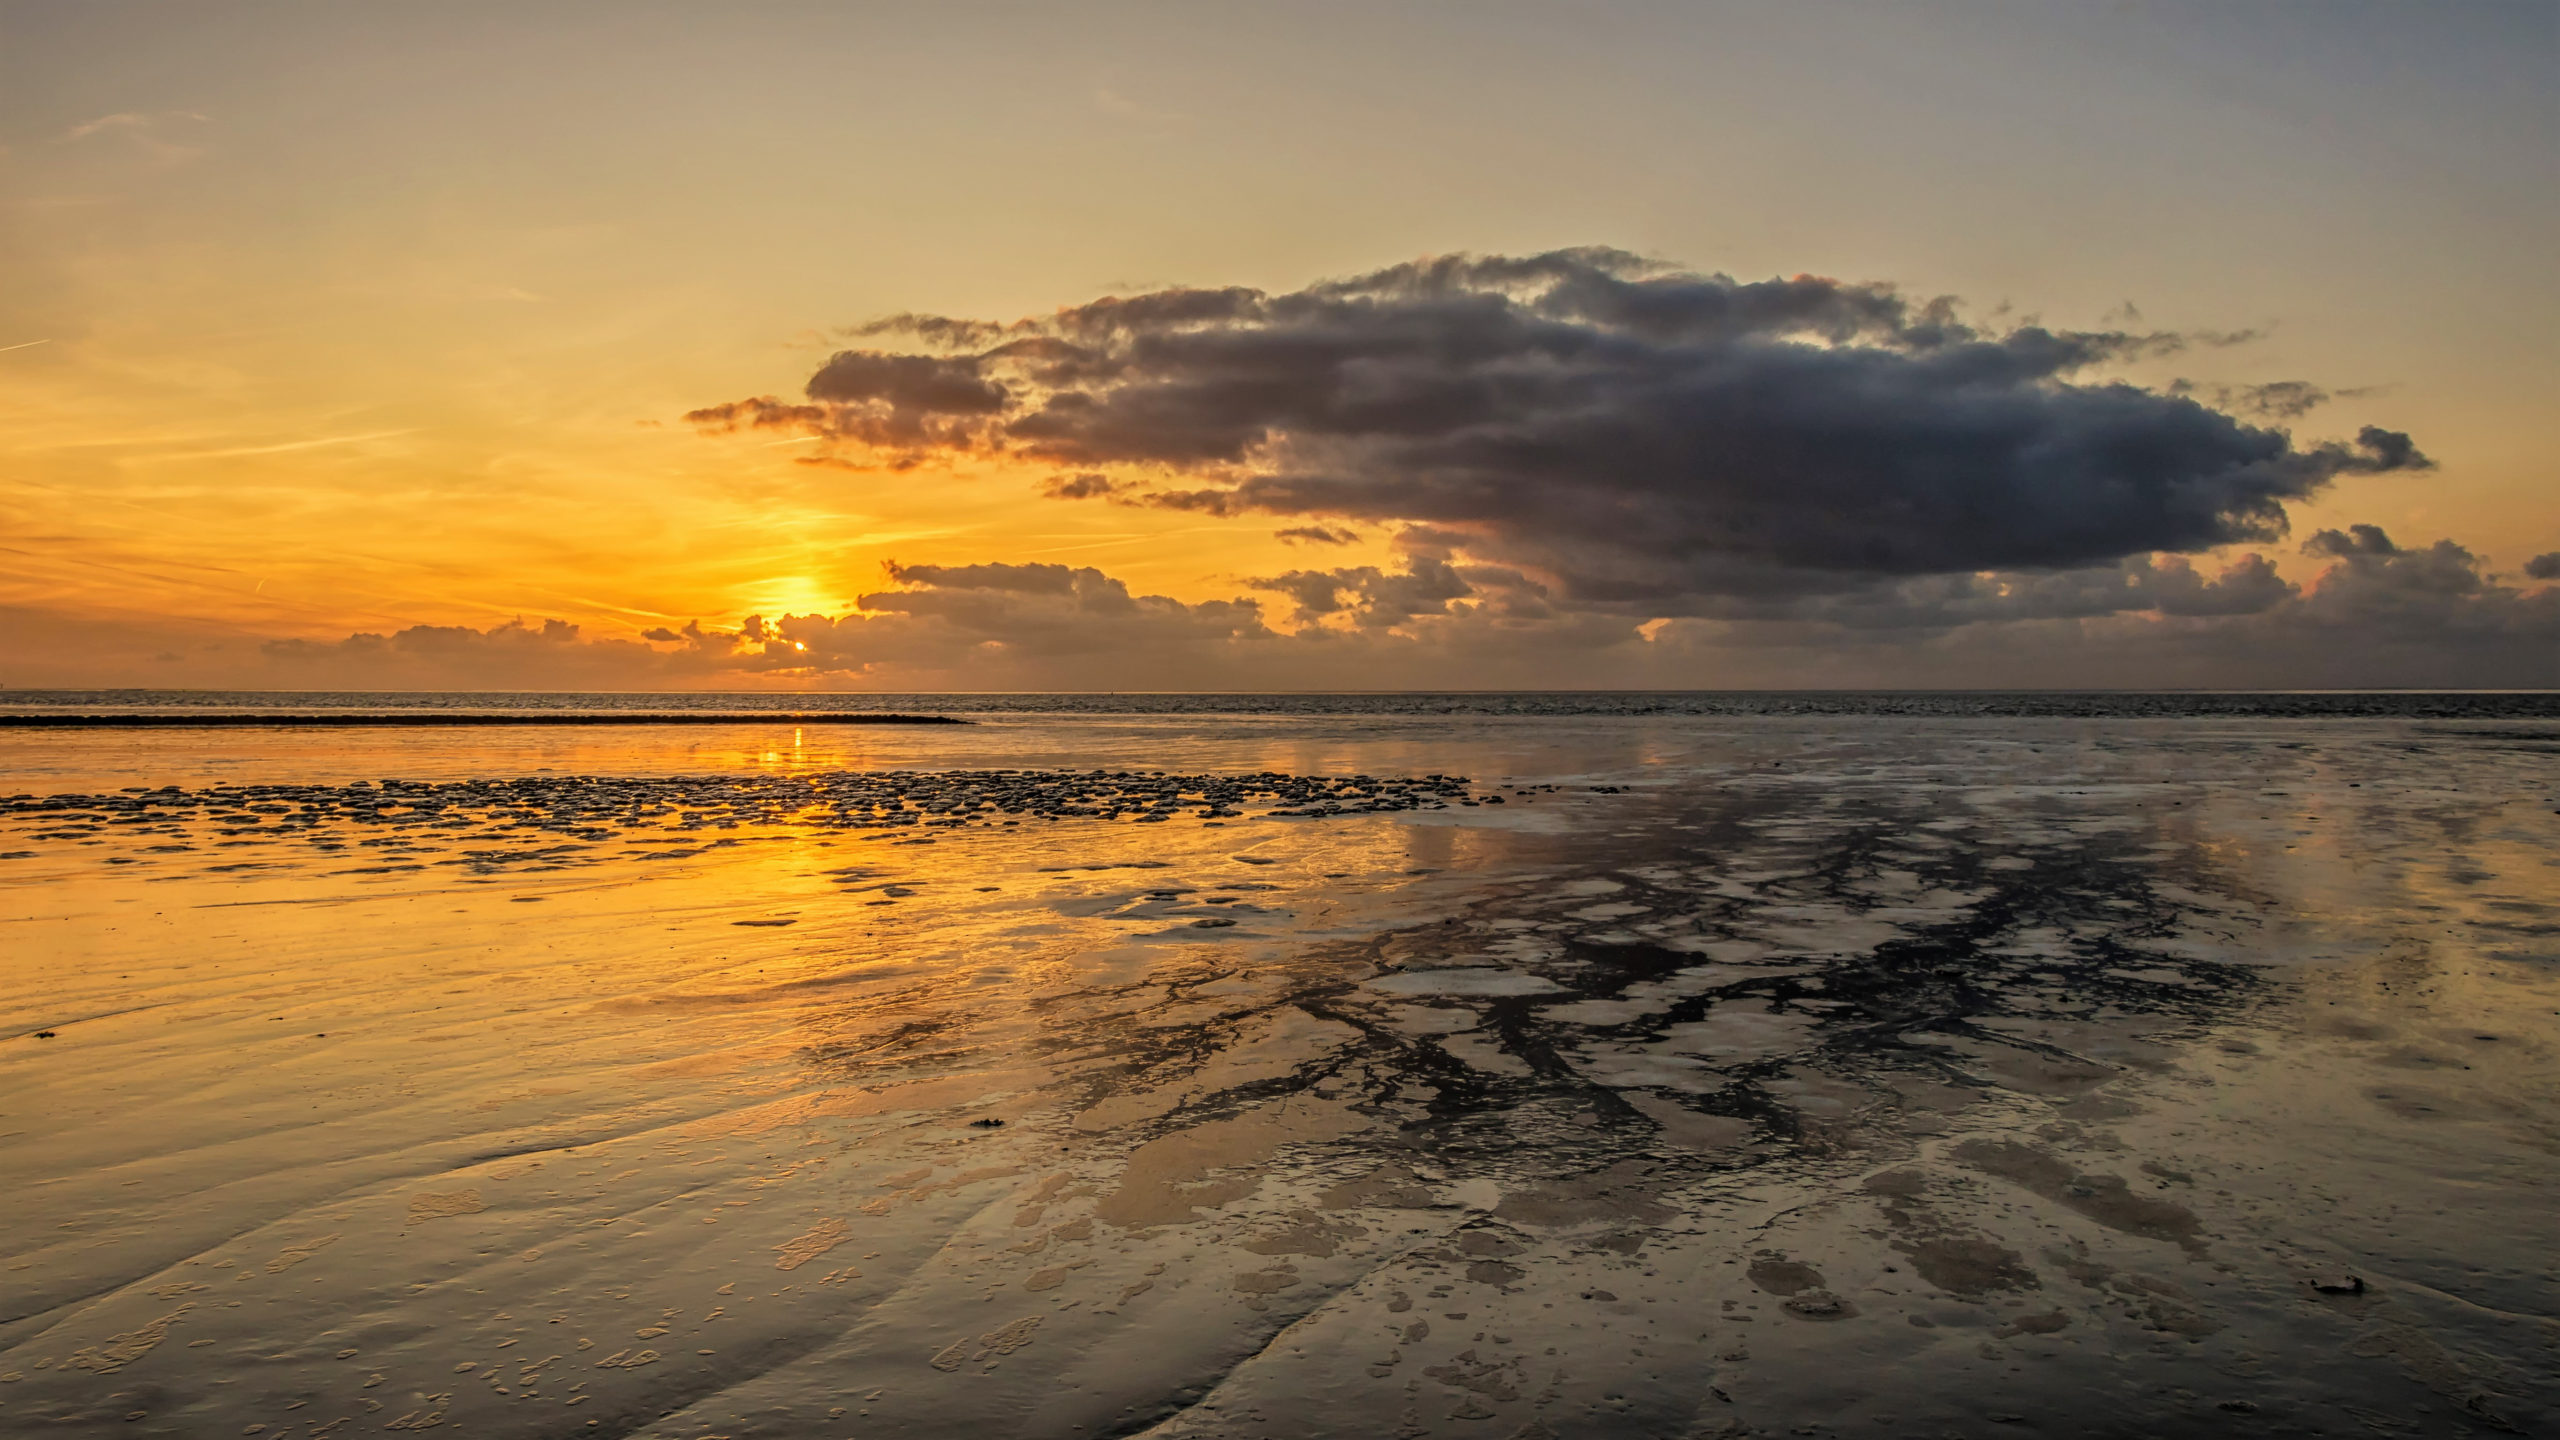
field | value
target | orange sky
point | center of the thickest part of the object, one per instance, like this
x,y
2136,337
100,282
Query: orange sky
x,y
325,322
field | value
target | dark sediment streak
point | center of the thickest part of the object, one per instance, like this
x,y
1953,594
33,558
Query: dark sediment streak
x,y
379,721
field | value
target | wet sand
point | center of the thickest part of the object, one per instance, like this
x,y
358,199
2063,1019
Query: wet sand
x,y
1817,1075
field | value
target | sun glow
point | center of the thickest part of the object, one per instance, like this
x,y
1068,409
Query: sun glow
x,y
796,595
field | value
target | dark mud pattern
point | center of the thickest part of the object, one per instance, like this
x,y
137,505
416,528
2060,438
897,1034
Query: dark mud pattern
x,y
1867,1013
491,822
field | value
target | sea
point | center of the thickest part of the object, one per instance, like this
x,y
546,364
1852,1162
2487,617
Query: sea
x,y
1504,1065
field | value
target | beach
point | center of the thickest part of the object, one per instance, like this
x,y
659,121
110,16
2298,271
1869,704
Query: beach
x,y
1519,1069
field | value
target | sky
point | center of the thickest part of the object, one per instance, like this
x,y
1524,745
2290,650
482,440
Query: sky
x,y
1304,346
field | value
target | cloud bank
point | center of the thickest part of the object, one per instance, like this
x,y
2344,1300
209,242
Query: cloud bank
x,y
2374,613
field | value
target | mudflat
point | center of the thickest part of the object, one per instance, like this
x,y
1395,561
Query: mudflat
x,y
1500,1076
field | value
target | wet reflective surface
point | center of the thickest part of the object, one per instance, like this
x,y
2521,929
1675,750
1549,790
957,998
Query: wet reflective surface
x,y
1806,1075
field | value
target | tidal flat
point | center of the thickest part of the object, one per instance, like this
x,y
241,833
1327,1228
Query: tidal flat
x,y
1084,1076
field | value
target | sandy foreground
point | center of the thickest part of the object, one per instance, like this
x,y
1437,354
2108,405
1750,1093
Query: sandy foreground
x,y
1790,1077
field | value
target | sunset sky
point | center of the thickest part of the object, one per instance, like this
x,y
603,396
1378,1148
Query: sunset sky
x,y
549,345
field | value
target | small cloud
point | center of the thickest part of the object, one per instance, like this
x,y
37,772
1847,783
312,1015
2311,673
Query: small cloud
x,y
2284,399
1316,535
146,130
124,120
1078,487
2365,540
2545,566
1112,102
291,445
2277,399
1198,502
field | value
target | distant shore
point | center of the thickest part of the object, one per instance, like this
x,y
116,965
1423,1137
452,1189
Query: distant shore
x,y
240,707
239,721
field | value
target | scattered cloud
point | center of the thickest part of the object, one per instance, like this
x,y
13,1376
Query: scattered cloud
x,y
1375,599
2369,611
2375,591
148,131
1078,487
1316,535
551,654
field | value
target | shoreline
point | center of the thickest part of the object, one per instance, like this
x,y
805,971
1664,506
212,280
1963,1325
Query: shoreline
x,y
236,721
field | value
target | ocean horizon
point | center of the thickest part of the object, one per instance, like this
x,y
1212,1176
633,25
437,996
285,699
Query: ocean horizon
x,y
2481,704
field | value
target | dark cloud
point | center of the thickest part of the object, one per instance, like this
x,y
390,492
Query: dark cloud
x,y
916,384
907,404
939,330
1631,432
2381,450
2543,567
1086,486
2355,541
762,413
2139,585
2248,587
2166,585
2279,399
2377,615
1374,598
2377,587
1316,535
